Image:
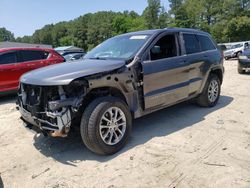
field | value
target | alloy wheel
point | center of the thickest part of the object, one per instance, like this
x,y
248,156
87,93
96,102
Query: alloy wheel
x,y
112,126
213,91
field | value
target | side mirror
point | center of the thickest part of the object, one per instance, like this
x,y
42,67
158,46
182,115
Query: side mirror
x,y
156,50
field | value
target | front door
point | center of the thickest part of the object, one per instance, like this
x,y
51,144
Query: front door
x,y
166,73
8,71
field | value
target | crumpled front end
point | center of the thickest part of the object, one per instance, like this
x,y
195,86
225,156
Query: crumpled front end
x,y
50,109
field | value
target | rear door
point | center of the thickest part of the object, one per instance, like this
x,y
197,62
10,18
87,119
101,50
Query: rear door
x,y
210,54
196,60
165,71
8,71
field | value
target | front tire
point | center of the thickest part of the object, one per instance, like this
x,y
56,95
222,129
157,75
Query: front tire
x,y
211,92
106,125
238,54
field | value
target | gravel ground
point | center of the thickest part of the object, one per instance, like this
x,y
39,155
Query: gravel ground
x,y
182,146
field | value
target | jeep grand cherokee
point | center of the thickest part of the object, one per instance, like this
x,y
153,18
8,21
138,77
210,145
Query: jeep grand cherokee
x,y
124,78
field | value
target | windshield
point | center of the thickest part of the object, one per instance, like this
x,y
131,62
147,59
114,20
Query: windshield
x,y
247,47
236,46
121,47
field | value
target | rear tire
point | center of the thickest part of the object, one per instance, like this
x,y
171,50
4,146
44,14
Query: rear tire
x,y
240,69
100,124
211,92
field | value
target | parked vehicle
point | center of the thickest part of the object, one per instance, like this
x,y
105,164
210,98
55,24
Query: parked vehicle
x,y
16,61
222,47
124,78
244,61
66,50
74,56
235,50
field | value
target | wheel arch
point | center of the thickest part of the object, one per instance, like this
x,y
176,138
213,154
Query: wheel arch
x,y
108,90
128,98
218,72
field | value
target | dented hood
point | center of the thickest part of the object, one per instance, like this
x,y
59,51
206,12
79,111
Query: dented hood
x,y
64,73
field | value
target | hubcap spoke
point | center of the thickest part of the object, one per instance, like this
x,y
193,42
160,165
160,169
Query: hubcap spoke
x,y
110,137
119,119
121,133
106,119
115,135
106,134
116,114
104,126
120,124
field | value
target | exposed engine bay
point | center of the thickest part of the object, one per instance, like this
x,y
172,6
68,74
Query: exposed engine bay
x,y
51,108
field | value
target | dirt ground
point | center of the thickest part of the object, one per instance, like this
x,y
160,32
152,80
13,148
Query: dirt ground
x,y
182,146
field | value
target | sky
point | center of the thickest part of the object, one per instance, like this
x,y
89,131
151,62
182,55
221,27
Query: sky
x,y
23,17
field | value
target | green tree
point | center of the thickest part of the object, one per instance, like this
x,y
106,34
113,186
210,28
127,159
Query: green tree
x,y
175,6
100,28
66,41
59,31
151,14
44,35
238,29
6,35
128,22
25,39
179,13
164,18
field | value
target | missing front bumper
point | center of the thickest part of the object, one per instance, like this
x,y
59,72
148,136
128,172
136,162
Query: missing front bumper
x,y
42,126
40,108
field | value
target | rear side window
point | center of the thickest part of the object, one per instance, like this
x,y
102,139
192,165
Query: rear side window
x,y
206,43
8,58
28,55
191,43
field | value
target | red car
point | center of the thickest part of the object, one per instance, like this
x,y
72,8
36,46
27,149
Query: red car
x,y
16,61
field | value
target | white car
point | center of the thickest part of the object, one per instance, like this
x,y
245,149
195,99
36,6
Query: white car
x,y
235,50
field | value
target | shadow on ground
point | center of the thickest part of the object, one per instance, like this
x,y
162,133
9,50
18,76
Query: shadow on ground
x,y
246,72
232,59
161,123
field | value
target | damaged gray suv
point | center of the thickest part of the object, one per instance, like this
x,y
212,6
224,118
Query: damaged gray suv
x,y
124,78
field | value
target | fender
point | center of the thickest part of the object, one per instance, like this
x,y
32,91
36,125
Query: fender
x,y
120,80
213,68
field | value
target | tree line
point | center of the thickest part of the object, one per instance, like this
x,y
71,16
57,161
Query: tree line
x,y
226,20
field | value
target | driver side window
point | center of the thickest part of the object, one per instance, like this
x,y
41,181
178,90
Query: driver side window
x,y
165,47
